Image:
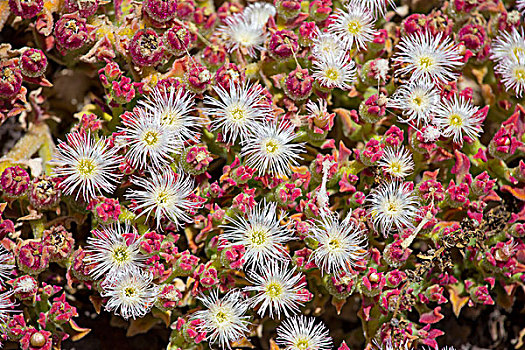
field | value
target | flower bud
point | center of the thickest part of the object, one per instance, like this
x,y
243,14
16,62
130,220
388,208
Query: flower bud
x,y
71,32
10,80
15,181
33,63
43,193
26,8
146,48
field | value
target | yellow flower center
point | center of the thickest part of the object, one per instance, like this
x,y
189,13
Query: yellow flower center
x,y
221,317
238,114
519,74
271,146
354,27
274,290
258,237
456,120
426,62
151,138
86,167
332,74
129,292
302,344
120,254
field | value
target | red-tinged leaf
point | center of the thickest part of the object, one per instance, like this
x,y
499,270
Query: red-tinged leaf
x,y
431,317
461,166
97,303
141,325
338,303
492,196
519,193
243,343
456,300
79,332
162,315
273,345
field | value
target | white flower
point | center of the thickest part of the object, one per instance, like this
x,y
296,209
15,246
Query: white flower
x,y
397,162
26,284
520,5
148,139
238,111
392,204
6,307
355,26
130,294
260,234
270,149
110,253
165,193
87,165
417,100
430,133
512,73
334,71
299,333
340,244
258,13
327,43
245,33
429,58
508,45
175,108
458,118
224,319
278,289
378,7
5,267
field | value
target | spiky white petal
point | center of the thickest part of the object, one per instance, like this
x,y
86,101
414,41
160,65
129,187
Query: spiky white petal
x,y
508,45
340,244
354,25
520,5
457,118
379,7
6,307
327,43
258,13
88,166
5,267
224,319
175,107
243,32
397,162
131,295
238,111
110,251
270,149
392,205
417,100
166,194
429,58
334,71
148,140
512,73
277,289
300,332
260,234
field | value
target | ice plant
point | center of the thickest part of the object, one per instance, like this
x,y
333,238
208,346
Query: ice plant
x,y
175,108
5,267
512,72
277,289
302,332
130,295
150,143
165,194
354,25
111,251
271,148
224,320
334,71
427,58
508,45
238,111
340,244
397,162
458,118
392,204
88,166
260,233
416,100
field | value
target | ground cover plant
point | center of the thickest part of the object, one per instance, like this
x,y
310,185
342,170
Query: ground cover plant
x,y
295,175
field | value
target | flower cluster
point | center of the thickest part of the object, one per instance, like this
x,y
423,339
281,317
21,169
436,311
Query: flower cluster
x,y
287,175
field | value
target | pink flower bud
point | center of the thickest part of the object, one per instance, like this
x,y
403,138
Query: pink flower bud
x,y
33,63
15,181
146,48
